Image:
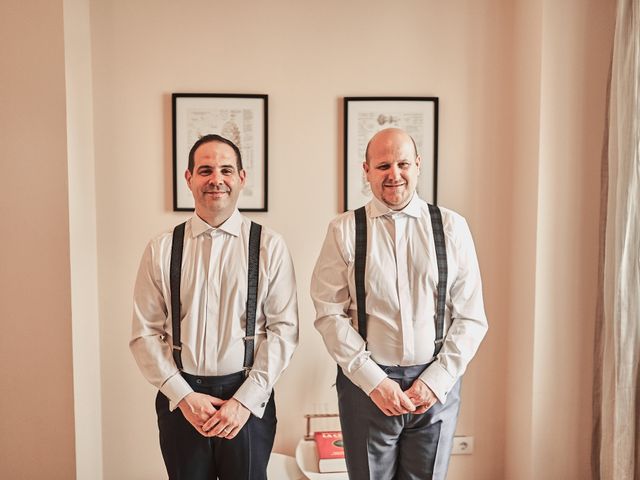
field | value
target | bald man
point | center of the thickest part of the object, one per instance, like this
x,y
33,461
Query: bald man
x,y
398,297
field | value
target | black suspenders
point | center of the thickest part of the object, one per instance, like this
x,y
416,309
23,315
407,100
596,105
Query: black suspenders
x,y
174,280
252,295
252,292
360,268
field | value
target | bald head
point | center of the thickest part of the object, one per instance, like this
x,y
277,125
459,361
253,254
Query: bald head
x,y
388,137
392,167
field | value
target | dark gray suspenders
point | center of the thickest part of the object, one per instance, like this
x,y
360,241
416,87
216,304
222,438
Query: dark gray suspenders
x,y
252,292
361,262
441,258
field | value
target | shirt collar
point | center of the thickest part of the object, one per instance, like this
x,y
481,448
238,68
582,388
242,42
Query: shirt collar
x,y
378,208
231,225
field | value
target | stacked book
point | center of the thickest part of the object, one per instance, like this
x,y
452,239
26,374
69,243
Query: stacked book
x,y
330,452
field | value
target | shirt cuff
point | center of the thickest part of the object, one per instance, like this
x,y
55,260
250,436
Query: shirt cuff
x,y
368,376
438,380
253,396
175,389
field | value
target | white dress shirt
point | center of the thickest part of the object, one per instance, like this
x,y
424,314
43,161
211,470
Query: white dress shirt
x,y
213,296
400,283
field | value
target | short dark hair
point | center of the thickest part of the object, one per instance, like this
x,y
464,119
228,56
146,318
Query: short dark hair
x,y
214,138
366,152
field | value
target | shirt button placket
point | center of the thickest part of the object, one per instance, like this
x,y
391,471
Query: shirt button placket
x,y
404,293
211,353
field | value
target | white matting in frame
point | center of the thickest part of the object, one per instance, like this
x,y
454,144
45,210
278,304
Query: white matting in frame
x,y
237,117
364,116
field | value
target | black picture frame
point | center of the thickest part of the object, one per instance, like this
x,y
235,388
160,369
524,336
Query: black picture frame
x,y
243,119
364,116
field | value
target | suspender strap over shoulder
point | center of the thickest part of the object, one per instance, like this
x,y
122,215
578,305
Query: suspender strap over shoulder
x,y
252,294
360,268
175,270
441,258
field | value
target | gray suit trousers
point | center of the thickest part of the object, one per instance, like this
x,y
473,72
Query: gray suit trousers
x,y
404,447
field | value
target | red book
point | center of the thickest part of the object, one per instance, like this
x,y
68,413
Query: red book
x,y
330,452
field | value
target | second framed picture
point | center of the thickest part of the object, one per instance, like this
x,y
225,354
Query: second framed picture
x,y
364,116
237,117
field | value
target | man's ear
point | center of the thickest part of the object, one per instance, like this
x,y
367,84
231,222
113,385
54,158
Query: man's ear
x,y
418,162
187,177
243,176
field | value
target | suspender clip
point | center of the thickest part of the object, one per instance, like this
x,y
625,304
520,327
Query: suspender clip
x,y
251,337
176,347
439,342
246,371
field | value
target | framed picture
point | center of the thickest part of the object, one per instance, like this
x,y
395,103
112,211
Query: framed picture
x,y
239,118
364,116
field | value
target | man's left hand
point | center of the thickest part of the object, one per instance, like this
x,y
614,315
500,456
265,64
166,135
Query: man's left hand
x,y
227,421
421,396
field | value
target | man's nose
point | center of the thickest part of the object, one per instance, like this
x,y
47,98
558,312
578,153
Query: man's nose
x,y
215,177
394,171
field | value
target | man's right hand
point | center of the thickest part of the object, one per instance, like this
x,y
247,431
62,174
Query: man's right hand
x,y
197,408
390,399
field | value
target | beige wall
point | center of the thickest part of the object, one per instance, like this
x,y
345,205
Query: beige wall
x,y
36,426
82,240
527,35
306,56
563,50
521,86
575,57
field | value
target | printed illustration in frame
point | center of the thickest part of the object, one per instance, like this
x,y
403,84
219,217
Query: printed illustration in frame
x,y
240,118
364,116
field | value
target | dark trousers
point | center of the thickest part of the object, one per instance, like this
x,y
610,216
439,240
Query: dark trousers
x,y
403,447
190,456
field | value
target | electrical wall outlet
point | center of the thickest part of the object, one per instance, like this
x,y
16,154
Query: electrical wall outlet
x,y
462,446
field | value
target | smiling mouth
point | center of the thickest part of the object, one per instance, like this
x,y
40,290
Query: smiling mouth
x,y
216,193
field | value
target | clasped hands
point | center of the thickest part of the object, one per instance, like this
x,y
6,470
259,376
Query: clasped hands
x,y
391,400
214,417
